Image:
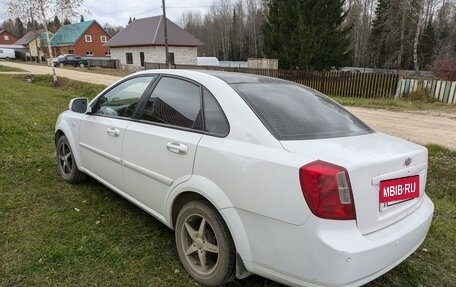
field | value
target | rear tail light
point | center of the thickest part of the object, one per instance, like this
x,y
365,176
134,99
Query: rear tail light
x,y
326,188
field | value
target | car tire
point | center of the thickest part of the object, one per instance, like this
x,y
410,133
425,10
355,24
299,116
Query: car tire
x,y
81,65
204,244
68,169
61,65
7,58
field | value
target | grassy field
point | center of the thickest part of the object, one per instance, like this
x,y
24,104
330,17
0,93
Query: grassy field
x,y
56,234
395,105
9,69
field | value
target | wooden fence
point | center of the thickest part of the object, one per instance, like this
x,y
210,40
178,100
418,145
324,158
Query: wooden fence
x,y
334,83
443,91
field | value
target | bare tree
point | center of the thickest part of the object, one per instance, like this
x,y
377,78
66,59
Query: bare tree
x,y
44,11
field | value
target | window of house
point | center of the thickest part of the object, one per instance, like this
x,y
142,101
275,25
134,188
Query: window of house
x,y
70,51
171,58
88,38
108,53
89,53
129,58
103,39
174,102
6,37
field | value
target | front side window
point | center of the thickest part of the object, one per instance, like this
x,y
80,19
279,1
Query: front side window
x,y
129,57
174,102
121,101
293,112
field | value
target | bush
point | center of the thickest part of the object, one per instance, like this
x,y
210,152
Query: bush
x,y
445,68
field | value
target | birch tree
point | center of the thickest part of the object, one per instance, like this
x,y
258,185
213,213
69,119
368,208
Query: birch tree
x,y
43,11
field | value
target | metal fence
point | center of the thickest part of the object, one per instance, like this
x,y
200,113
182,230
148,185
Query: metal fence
x,y
104,63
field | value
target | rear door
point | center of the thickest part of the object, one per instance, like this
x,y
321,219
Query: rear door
x,y
102,132
159,148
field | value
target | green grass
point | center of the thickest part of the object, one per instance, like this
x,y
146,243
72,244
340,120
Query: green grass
x,y
9,69
395,105
56,234
104,71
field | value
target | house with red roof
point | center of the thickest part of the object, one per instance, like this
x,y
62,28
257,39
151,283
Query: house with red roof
x,y
7,38
86,39
143,41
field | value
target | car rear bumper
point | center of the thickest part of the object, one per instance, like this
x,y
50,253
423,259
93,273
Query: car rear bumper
x,y
331,253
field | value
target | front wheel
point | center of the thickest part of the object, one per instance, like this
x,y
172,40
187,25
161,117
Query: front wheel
x,y
61,65
68,170
81,65
204,244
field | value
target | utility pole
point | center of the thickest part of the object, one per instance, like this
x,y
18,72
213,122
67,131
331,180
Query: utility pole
x,y
166,34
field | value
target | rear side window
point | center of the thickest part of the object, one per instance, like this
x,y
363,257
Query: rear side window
x,y
174,102
294,112
215,120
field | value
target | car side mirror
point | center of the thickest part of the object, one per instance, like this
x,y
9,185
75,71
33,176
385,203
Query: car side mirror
x,y
79,105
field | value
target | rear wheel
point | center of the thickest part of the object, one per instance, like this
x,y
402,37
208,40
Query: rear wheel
x,y
204,244
81,65
68,170
61,65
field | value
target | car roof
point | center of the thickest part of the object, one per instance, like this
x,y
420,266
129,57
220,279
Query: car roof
x,y
237,78
228,77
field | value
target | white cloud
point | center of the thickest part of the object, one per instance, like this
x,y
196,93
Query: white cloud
x,y
117,12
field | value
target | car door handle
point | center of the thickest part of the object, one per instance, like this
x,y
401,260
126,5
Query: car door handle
x,y
177,148
113,132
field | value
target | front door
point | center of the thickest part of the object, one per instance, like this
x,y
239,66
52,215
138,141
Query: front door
x,y
103,130
159,148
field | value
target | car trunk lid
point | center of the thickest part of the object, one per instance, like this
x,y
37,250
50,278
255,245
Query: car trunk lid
x,y
374,161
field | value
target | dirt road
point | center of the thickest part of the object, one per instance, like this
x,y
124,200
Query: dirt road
x,y
418,126
71,74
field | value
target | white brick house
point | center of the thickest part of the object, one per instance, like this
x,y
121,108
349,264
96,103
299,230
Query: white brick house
x,y
143,41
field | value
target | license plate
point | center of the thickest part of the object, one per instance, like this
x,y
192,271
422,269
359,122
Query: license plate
x,y
397,190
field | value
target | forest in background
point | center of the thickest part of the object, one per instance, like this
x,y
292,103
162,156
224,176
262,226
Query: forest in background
x,y
382,33
393,34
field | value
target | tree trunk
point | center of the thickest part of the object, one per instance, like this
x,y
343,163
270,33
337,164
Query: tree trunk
x,y
416,40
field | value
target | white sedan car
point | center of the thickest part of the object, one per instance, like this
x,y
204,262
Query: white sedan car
x,y
255,175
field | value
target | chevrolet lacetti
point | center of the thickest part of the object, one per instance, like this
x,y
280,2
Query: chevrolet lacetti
x,y
256,175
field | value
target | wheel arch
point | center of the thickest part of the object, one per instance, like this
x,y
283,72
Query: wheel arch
x,y
64,130
200,188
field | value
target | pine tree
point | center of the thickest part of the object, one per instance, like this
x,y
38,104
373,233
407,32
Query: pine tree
x,y
66,21
82,18
20,30
426,48
307,34
380,29
129,21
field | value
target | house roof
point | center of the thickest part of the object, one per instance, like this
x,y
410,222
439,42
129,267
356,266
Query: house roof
x,y
69,34
3,31
150,32
29,37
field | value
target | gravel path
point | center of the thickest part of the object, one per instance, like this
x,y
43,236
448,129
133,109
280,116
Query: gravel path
x,y
419,126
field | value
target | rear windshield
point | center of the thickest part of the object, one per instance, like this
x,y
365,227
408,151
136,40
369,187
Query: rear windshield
x,y
294,112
